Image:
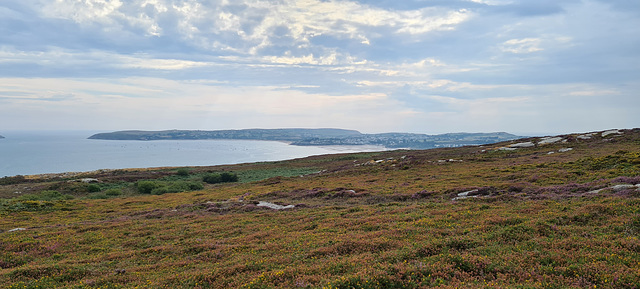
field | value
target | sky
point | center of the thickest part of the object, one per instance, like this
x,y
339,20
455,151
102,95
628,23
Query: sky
x,y
530,67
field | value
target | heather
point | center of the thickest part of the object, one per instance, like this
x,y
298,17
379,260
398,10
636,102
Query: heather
x,y
397,219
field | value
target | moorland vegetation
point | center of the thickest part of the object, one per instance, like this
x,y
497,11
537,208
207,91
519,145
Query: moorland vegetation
x,y
535,213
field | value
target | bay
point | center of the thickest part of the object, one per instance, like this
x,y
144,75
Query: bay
x,y
31,152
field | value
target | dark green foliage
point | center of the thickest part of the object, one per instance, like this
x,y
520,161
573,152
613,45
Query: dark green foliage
x,y
164,187
145,187
228,177
113,192
93,188
212,179
215,178
183,172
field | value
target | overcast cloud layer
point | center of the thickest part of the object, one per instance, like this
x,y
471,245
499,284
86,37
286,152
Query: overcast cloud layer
x,y
429,66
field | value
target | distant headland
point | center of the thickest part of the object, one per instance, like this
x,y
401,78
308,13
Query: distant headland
x,y
1,136
318,137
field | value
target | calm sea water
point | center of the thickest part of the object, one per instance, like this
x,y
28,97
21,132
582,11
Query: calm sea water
x,y
27,153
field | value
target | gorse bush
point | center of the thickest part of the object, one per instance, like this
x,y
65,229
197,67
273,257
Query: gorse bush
x,y
215,178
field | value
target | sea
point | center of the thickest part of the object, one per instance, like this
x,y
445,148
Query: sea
x,y
44,152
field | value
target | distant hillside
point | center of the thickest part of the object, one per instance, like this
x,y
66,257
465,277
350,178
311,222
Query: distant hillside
x,y
248,134
319,137
1,136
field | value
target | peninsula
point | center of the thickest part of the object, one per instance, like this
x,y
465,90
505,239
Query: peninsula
x,y
318,137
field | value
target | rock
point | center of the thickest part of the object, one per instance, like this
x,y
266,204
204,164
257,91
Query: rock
x,y
586,136
610,132
595,191
465,195
564,150
522,145
549,140
274,206
618,188
16,229
89,180
506,149
550,153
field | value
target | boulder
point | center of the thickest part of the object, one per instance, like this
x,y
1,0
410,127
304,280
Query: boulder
x,y
549,140
522,145
618,188
16,229
610,132
586,136
274,206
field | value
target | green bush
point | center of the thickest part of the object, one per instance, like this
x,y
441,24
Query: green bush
x,y
214,178
161,191
193,186
160,187
146,187
183,172
228,177
113,192
93,188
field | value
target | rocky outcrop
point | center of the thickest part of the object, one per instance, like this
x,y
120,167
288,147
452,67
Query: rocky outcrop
x,y
522,145
550,140
274,206
611,132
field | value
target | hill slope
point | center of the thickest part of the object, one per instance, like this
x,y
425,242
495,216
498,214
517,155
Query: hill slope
x,y
537,213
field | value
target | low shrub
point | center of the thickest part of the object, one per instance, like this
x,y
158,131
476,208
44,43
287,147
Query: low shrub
x,y
215,178
93,188
145,187
183,172
113,192
160,187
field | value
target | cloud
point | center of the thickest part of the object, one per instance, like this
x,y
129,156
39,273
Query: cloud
x,y
407,65
250,27
526,45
